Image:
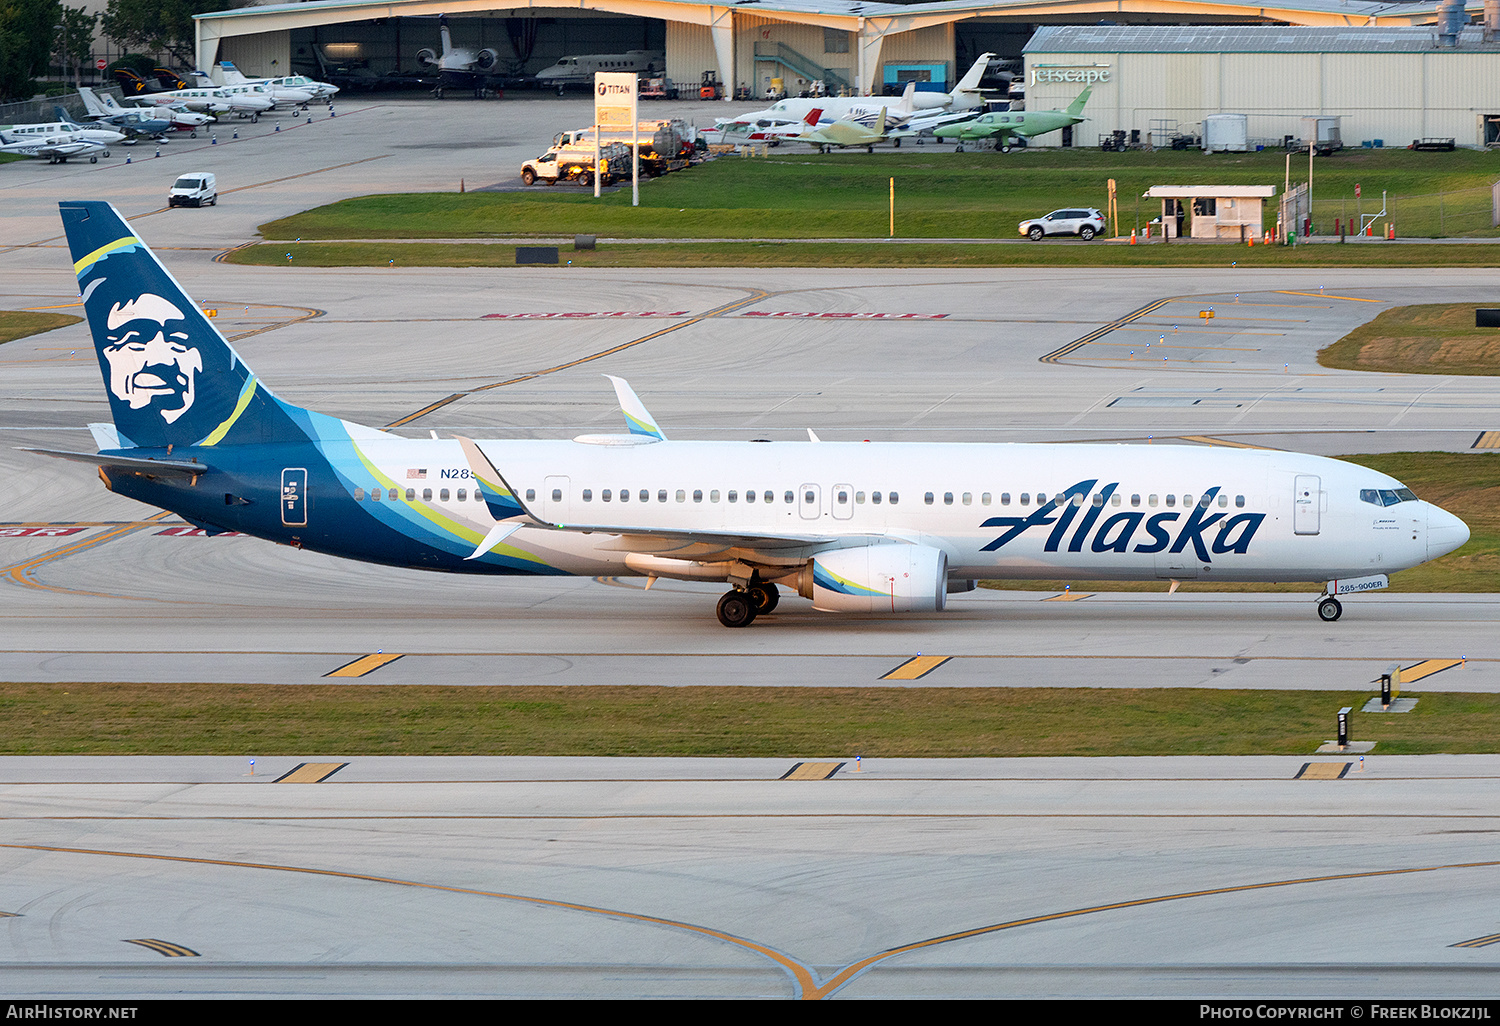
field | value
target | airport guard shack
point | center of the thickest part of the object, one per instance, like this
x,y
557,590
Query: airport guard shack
x,y
1228,213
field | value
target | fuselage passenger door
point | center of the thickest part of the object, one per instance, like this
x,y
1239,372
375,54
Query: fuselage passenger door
x,y
1307,501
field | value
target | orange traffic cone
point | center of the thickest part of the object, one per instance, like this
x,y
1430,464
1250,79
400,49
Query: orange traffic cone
x,y
1132,236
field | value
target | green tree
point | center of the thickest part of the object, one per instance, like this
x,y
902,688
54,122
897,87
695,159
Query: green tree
x,y
26,34
75,40
159,24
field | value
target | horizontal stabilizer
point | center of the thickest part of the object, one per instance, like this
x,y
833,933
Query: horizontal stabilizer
x,y
498,534
162,468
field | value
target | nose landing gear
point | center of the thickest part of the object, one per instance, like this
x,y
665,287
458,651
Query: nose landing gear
x,y
1330,609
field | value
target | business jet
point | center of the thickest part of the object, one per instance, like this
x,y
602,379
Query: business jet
x,y
855,527
458,68
866,109
580,70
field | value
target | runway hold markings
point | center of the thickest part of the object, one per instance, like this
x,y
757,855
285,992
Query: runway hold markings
x,y
1068,596
1229,443
310,773
167,948
1102,330
718,311
364,665
1322,771
1478,942
1426,668
1487,440
852,316
812,771
542,316
1320,295
916,668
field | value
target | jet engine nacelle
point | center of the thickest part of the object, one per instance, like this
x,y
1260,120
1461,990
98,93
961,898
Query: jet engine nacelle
x,y
485,59
877,579
426,56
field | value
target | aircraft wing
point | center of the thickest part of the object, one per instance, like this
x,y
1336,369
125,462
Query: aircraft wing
x,y
673,543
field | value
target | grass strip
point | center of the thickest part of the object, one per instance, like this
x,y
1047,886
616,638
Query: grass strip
x,y
874,253
257,720
16,324
939,194
1436,338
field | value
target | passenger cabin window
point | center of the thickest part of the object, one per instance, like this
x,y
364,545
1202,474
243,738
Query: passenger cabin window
x,y
426,494
624,494
681,496
463,494
894,498
443,495
588,494
531,495
359,494
947,498
1239,502
789,498
1171,501
557,495
927,498
734,496
875,498
411,495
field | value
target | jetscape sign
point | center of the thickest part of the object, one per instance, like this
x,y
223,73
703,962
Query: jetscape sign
x,y
1079,74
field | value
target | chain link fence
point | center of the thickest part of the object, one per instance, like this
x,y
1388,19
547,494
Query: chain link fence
x,y
1460,213
39,111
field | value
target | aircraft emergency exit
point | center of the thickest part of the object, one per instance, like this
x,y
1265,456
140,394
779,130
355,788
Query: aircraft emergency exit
x,y
860,527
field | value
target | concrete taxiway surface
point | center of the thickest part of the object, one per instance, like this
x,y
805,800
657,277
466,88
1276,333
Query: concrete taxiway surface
x,y
543,877
715,878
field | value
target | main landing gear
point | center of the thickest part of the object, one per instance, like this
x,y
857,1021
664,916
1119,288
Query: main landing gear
x,y
740,608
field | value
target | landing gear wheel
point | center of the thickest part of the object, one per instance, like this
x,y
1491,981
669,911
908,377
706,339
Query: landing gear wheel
x,y
736,610
1329,610
437,93
94,159
193,134
764,597
255,118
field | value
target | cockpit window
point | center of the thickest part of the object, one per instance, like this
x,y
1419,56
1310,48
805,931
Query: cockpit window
x,y
1386,496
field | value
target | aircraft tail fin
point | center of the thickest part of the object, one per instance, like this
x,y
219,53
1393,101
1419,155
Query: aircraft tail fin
x,y
447,38
1076,107
172,379
168,79
970,82
231,74
130,82
91,101
908,99
813,116
880,122
64,116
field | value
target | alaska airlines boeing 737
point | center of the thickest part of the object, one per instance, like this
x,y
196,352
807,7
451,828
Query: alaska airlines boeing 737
x,y
865,527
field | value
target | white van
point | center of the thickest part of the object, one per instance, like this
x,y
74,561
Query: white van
x,y
195,189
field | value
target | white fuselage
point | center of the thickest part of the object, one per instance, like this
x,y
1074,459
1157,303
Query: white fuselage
x,y
1140,512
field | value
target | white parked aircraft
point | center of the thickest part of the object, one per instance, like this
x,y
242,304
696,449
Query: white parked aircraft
x,y
580,70
865,109
854,526
100,134
212,100
288,87
56,149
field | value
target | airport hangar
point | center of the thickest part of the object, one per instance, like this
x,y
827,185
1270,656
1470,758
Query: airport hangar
x,y
870,48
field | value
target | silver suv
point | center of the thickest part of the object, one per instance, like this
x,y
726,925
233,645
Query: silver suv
x,y
1084,223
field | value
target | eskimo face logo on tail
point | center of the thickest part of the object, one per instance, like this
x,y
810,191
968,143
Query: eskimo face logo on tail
x,y
150,361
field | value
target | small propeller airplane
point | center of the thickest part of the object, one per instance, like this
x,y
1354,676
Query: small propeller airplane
x,y
1006,126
